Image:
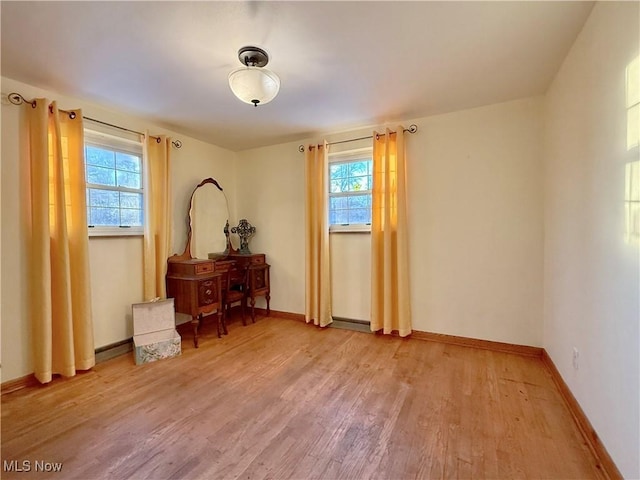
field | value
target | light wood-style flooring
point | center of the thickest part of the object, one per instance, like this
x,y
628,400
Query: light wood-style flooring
x,y
280,399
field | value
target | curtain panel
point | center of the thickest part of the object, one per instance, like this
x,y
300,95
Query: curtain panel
x,y
58,246
158,215
390,296
317,255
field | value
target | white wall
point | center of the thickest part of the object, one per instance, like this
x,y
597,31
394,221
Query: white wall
x,y
116,263
475,225
351,275
270,194
191,164
592,276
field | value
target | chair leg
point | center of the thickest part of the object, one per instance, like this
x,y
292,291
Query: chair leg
x,y
224,323
195,323
253,310
268,307
244,322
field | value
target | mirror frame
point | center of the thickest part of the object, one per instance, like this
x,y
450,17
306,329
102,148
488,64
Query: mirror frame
x,y
186,255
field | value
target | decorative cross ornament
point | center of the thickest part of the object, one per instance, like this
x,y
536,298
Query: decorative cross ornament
x,y
244,230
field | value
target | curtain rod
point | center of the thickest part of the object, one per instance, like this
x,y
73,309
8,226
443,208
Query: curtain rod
x,y
17,99
413,128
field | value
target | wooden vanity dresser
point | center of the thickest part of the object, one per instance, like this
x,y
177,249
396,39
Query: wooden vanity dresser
x,y
197,279
196,287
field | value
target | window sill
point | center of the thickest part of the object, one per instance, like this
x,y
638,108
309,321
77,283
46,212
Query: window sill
x,y
116,232
359,228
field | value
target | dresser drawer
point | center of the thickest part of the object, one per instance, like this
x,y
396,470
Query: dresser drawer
x,y
257,259
207,292
190,267
247,260
204,267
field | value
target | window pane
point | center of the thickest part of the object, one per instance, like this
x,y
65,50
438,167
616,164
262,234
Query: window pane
x,y
131,218
358,168
131,200
124,161
338,202
359,201
357,184
100,175
339,217
338,170
128,179
98,156
338,186
103,198
360,215
107,217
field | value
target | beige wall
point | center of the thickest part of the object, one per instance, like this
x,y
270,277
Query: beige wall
x,y
270,195
476,223
475,234
592,276
116,263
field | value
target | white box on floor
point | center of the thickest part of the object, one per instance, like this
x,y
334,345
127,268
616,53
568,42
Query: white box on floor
x,y
154,331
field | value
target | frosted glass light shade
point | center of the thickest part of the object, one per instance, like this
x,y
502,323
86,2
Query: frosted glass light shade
x,y
254,85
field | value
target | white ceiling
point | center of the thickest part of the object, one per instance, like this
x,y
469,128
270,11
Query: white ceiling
x,y
342,64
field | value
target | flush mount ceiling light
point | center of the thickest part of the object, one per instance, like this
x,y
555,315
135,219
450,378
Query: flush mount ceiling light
x,y
254,84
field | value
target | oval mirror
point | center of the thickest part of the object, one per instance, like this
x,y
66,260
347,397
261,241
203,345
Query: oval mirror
x,y
208,217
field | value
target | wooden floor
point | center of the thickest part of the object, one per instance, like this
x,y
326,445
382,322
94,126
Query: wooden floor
x,y
281,399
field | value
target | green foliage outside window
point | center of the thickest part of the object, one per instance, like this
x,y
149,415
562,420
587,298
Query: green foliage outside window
x,y
350,185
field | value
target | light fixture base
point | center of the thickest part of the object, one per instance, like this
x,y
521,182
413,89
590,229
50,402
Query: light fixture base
x,y
253,56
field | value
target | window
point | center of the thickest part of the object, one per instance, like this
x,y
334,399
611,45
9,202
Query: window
x,y
114,184
632,169
632,202
350,183
633,104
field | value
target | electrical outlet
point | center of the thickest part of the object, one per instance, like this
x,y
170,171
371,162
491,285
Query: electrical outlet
x,y
576,358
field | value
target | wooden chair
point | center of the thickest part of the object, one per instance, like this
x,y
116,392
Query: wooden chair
x,y
236,291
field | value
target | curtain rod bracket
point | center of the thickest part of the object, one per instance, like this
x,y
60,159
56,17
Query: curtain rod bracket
x,y
17,99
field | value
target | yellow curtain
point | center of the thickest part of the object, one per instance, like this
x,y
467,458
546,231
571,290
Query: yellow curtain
x,y
157,224
58,246
390,301
318,272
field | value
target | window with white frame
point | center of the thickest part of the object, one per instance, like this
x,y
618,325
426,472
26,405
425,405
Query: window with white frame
x,y
350,184
114,169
